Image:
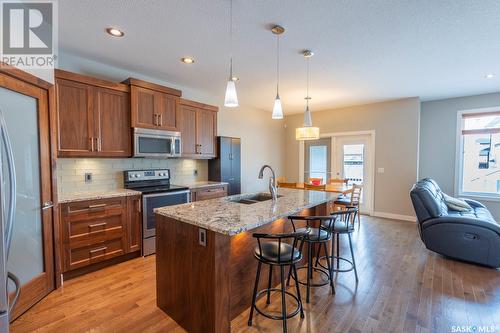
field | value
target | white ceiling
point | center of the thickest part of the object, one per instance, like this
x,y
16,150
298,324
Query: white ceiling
x,y
366,50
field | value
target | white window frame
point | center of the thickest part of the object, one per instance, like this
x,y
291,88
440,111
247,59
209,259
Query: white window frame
x,y
459,159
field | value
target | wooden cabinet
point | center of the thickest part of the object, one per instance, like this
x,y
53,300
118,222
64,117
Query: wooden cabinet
x,y
97,230
134,223
153,106
93,117
208,192
198,127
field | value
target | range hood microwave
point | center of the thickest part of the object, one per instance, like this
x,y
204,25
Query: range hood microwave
x,y
156,143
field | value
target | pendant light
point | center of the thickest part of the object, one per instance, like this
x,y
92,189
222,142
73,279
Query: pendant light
x,y
307,132
277,109
231,98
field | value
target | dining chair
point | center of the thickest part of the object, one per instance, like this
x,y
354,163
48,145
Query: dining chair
x,y
315,181
314,187
287,185
352,199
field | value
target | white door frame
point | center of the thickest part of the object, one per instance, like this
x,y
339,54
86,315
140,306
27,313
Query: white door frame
x,y
371,157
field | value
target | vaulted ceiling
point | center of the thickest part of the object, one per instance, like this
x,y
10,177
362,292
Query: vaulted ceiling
x,y
365,50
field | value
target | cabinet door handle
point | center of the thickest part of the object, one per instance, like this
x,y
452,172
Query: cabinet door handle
x,y
160,117
155,119
95,225
91,144
97,250
99,147
139,206
100,206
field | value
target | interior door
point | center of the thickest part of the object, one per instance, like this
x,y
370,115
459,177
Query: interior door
x,y
352,161
317,161
25,108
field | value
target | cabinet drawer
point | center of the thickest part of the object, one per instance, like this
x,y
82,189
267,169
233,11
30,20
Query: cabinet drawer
x,y
93,208
210,193
91,231
83,256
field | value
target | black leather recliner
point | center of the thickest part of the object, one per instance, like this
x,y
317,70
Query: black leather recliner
x,y
472,236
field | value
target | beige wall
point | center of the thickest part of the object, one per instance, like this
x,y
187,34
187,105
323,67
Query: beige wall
x,y
396,125
262,142
262,138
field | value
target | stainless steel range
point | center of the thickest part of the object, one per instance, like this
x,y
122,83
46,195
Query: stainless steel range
x,y
156,192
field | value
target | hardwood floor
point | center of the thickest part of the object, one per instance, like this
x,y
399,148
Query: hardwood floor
x,y
403,288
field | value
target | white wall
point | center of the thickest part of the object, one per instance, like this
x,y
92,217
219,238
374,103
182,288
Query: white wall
x,y
262,138
438,125
396,147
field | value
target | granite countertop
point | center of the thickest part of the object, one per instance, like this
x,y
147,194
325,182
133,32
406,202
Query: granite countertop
x,y
231,218
203,183
82,196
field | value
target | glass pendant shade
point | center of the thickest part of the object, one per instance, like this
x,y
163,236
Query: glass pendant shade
x,y
231,99
307,117
307,133
277,110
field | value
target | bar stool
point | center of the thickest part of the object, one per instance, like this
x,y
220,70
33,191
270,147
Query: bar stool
x,y
277,250
344,225
319,233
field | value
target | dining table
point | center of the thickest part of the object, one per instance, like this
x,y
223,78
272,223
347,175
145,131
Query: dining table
x,y
333,188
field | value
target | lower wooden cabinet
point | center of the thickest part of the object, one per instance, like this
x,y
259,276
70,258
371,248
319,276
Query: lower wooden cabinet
x,y
97,230
134,223
207,193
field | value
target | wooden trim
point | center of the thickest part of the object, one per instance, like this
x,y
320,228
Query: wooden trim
x,y
23,76
480,114
481,131
198,105
62,74
152,86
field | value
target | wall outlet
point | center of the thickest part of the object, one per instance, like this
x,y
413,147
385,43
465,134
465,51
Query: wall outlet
x,y
380,170
88,177
195,172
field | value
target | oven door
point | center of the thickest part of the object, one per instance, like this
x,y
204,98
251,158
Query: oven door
x,y
157,200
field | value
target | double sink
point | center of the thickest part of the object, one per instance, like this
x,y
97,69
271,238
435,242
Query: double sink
x,y
253,198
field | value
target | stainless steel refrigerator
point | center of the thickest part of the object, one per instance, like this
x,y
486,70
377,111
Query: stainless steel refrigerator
x,y
7,215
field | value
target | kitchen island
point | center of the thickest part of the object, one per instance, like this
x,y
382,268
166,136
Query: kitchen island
x,y
205,268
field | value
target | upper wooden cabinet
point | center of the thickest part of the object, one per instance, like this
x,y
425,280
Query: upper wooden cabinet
x,y
153,106
93,117
198,127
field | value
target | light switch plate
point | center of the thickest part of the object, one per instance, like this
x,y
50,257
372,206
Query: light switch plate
x,y
88,177
380,170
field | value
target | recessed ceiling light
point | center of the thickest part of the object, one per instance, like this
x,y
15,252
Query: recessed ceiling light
x,y
489,76
187,60
115,32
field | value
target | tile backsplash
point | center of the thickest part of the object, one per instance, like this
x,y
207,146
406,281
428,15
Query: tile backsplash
x,y
107,173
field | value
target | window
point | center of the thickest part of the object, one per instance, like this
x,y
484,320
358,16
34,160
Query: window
x,y
318,162
479,154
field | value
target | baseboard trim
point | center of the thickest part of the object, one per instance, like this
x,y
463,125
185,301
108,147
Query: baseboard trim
x,y
395,216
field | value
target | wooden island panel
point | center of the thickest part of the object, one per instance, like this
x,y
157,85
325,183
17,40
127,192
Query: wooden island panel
x,y
197,285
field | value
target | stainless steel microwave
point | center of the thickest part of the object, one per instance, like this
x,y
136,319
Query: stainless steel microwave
x,y
156,143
